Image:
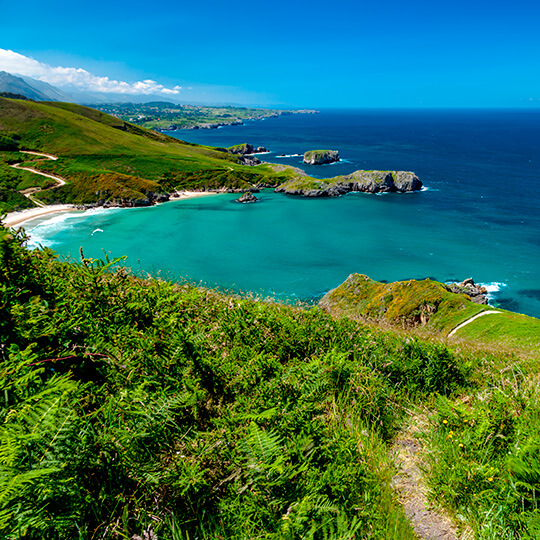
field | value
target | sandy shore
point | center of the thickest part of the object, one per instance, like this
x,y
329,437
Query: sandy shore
x,y
16,219
190,194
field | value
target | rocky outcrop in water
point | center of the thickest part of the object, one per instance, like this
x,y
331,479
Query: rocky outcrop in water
x,y
364,181
321,157
247,197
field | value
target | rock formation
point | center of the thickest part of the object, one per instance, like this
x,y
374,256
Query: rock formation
x,y
478,294
247,197
246,148
320,157
365,181
248,160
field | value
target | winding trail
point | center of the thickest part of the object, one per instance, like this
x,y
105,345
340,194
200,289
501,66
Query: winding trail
x,y
30,192
14,219
468,321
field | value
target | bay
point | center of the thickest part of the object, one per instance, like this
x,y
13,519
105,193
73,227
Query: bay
x,y
478,216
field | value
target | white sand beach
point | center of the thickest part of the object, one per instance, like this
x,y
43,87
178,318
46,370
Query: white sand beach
x,y
16,219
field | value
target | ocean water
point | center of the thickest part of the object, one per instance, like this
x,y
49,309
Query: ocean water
x,y
478,216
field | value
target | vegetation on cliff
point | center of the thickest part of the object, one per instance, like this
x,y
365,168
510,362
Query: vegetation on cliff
x,y
141,407
431,307
364,181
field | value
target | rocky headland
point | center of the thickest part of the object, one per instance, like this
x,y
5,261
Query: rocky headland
x,y
362,181
246,149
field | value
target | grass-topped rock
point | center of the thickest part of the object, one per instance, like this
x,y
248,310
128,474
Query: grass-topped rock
x,y
246,149
321,157
365,181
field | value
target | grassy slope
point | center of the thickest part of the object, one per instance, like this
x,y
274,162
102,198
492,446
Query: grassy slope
x,y
100,152
135,405
430,306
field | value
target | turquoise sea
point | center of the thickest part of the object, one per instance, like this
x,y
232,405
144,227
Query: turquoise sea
x,y
478,216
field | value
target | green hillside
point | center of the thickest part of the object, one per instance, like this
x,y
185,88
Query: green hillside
x,y
100,153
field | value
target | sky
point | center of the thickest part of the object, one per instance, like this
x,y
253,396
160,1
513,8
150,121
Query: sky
x,y
363,53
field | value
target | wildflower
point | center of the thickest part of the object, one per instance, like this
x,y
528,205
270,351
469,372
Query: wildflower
x,y
460,445
445,421
490,479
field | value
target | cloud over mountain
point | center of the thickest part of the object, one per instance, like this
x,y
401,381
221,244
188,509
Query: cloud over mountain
x,y
77,78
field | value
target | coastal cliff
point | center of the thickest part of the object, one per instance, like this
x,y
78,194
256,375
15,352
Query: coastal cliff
x,y
364,181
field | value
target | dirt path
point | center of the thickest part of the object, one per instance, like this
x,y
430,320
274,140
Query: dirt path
x,y
468,321
49,156
30,192
429,523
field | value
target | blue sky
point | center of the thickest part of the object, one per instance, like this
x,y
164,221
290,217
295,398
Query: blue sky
x,y
295,53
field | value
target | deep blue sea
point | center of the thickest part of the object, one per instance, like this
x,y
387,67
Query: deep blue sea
x,y
479,216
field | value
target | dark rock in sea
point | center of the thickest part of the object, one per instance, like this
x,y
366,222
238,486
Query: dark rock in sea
x,y
321,157
247,197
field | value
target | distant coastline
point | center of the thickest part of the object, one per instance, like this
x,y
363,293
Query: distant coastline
x,y
164,117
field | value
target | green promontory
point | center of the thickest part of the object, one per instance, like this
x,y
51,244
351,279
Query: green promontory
x,y
104,158
432,307
364,181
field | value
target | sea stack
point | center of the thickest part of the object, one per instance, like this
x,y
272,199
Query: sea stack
x,y
321,157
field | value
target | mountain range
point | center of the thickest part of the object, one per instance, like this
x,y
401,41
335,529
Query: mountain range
x,y
31,88
41,91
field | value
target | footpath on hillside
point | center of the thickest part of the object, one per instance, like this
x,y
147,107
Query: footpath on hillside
x,y
428,521
18,218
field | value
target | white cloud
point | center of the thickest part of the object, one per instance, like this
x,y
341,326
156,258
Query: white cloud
x,y
78,78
